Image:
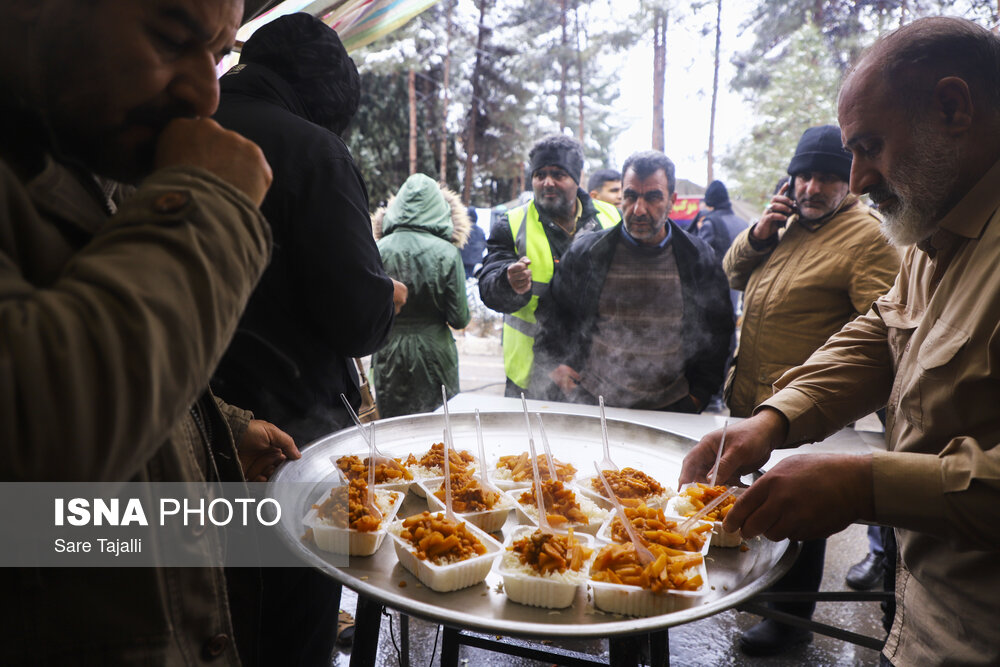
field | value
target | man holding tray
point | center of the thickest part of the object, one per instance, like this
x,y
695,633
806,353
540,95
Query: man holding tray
x,y
921,115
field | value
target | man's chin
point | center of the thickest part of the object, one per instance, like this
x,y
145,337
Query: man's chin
x,y
901,230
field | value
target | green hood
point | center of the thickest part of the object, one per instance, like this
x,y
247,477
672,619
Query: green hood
x,y
424,206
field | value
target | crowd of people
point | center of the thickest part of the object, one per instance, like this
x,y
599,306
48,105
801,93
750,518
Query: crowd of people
x,y
159,268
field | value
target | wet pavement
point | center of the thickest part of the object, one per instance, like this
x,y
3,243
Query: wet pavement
x,y
708,642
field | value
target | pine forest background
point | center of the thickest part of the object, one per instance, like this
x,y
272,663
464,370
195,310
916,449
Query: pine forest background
x,y
462,91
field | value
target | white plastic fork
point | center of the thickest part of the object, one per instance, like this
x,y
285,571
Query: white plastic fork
x,y
548,452
718,455
446,445
543,519
378,456
688,524
607,463
644,555
487,485
370,502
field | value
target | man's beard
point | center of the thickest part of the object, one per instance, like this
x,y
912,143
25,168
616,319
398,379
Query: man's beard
x,y
920,183
561,208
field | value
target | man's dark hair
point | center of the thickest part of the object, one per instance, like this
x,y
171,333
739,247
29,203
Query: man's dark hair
x,y
647,163
912,59
600,177
309,55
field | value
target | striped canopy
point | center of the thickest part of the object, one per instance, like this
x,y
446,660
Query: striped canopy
x,y
357,22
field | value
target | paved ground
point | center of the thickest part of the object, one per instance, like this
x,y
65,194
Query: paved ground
x,y
711,641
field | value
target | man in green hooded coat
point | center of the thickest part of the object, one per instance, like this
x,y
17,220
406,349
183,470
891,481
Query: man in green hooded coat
x,y
419,236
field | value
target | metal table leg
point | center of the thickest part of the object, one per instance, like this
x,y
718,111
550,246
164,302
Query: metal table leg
x,y
367,622
404,640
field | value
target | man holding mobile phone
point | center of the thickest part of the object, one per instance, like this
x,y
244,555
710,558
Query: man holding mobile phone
x,y
812,263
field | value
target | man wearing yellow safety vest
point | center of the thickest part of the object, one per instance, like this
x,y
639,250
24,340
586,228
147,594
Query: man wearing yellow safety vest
x,y
525,246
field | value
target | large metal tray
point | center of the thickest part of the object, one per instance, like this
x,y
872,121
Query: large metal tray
x,y
734,575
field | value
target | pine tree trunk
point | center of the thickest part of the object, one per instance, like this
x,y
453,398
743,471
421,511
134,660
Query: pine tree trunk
x,y
470,128
715,95
443,171
563,66
579,71
659,75
411,90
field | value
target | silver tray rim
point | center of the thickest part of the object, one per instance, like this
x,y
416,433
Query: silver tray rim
x,y
444,615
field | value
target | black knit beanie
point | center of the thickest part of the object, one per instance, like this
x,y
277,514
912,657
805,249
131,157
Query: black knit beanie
x,y
820,149
716,195
559,151
309,55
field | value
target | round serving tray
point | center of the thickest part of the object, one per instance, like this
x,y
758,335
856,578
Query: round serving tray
x,y
733,575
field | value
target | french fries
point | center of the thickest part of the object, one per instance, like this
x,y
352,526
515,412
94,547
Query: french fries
x,y
520,468
671,570
654,528
702,494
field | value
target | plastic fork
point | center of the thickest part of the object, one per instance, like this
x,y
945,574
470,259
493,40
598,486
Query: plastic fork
x,y
370,501
487,486
548,452
688,524
543,518
718,455
645,555
447,444
378,456
607,463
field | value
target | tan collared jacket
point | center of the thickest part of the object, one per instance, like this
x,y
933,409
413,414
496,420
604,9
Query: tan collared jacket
x,y
931,349
800,291
110,326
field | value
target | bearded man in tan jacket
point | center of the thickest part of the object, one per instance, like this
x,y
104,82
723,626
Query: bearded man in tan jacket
x,y
811,264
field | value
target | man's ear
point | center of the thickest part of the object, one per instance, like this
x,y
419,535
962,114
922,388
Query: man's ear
x,y
673,199
953,104
593,194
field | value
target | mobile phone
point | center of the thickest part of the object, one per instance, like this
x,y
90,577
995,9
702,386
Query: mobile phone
x,y
790,193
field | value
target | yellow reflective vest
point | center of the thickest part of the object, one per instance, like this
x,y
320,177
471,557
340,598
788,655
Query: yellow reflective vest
x,y
520,327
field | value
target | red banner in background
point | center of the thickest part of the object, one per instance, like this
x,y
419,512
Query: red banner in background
x,y
685,208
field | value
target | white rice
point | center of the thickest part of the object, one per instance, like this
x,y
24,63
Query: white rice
x,y
512,564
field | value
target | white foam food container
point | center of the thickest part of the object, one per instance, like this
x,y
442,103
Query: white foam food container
x,y
676,509
595,513
551,591
488,520
348,540
450,577
638,601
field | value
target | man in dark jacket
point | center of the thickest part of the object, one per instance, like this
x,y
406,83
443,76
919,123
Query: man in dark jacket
x,y
720,225
525,245
637,313
324,298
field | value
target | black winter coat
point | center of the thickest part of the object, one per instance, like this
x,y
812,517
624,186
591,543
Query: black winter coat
x,y
325,297
568,312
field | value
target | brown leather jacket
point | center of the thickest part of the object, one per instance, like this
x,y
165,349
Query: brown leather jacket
x,y
796,294
110,325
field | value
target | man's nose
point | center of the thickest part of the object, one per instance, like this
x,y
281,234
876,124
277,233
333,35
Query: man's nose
x,y
812,186
863,176
195,84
